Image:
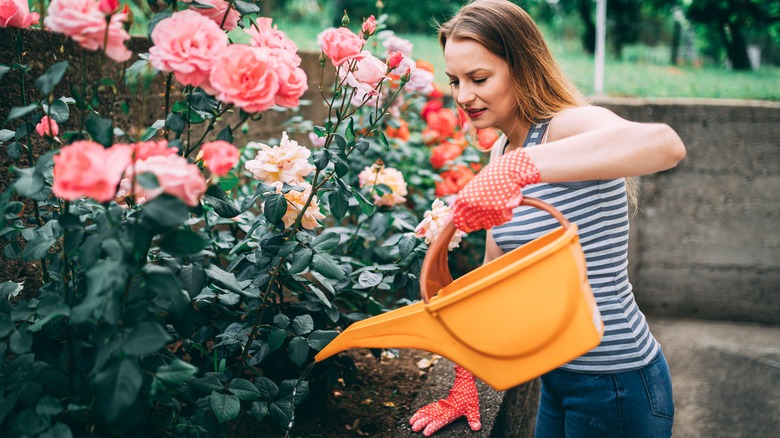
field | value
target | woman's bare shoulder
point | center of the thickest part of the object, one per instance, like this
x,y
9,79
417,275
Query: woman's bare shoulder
x,y
573,121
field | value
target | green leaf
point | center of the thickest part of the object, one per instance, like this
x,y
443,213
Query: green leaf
x,y
320,159
318,339
148,180
300,261
6,134
52,77
246,8
116,387
350,131
175,122
166,211
48,406
267,387
298,351
303,324
59,111
59,430
176,372
281,412
326,266
145,338
21,340
210,383
326,241
259,410
183,241
21,111
37,248
243,389
101,130
14,150
366,206
341,142
158,17
224,278
225,407
406,245
339,203
301,388
226,134
228,182
223,205
28,181
362,145
368,279
164,286
276,339
31,423
274,207
3,70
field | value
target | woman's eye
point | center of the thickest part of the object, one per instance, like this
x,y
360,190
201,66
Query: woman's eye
x,y
479,81
454,82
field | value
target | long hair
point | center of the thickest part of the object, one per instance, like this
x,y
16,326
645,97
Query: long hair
x,y
539,86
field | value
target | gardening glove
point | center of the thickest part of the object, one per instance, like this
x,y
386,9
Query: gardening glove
x,y
462,400
488,199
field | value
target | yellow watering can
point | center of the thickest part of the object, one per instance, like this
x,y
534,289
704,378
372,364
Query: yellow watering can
x,y
509,321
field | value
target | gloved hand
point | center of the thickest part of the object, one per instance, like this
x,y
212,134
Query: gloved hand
x,y
488,199
462,400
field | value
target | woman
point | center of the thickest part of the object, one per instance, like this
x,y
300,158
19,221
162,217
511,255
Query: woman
x,y
577,158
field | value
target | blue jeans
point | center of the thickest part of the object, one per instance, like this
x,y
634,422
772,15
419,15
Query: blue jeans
x,y
632,404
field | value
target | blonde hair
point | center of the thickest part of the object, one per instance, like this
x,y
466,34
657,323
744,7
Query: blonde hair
x,y
540,87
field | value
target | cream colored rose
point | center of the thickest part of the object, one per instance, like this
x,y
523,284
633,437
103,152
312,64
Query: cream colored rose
x,y
295,202
287,162
434,221
378,174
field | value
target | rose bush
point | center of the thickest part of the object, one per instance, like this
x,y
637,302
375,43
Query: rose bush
x,y
189,277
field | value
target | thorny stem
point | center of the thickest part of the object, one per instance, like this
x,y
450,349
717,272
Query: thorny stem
x,y
224,17
30,156
168,80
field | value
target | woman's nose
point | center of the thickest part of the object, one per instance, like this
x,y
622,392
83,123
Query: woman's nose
x,y
464,96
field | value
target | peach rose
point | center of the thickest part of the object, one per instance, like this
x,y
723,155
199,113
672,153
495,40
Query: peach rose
x,y
246,76
146,149
444,121
379,174
87,169
342,45
219,156
216,12
401,132
16,13
486,138
187,44
293,82
267,35
176,176
454,180
83,21
287,162
47,127
434,221
295,202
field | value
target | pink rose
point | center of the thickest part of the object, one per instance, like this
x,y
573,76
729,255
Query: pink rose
x,y
341,45
108,7
267,35
47,127
145,149
83,21
395,43
246,76
219,156
176,176
216,12
370,70
16,13
87,169
369,26
292,84
187,44
394,60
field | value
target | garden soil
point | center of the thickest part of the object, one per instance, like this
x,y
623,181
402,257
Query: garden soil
x,y
370,401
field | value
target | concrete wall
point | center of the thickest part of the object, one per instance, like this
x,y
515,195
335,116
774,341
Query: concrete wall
x,y
705,243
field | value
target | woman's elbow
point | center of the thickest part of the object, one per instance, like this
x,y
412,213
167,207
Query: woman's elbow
x,y
672,147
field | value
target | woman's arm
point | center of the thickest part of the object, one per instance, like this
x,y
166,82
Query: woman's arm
x,y
591,142
492,251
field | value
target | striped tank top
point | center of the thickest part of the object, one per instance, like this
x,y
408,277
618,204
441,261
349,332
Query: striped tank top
x,y
600,210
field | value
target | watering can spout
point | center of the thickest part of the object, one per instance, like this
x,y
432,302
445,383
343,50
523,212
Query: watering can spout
x,y
509,321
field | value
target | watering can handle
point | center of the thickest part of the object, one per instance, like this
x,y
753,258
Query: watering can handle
x,y
435,274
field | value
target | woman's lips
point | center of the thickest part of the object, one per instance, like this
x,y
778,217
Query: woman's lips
x,y
473,113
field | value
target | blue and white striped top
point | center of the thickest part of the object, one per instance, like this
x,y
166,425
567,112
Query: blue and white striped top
x,y
600,210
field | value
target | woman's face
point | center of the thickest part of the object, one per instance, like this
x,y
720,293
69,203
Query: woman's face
x,y
481,84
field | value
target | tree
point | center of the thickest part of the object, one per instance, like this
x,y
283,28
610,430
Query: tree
x,y
732,20
622,16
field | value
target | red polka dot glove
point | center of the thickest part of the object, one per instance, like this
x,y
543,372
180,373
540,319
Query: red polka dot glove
x,y
462,400
488,199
